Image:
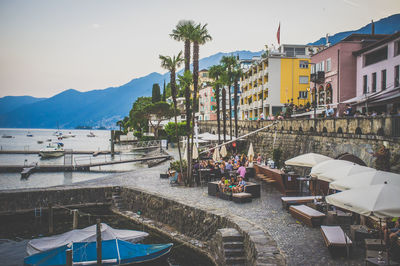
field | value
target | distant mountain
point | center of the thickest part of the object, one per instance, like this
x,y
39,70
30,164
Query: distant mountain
x,y
9,103
95,108
387,25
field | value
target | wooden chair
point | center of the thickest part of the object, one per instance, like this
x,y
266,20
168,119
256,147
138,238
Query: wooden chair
x,y
307,215
336,239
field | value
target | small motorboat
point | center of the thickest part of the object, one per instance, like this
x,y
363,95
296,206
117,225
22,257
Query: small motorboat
x,y
87,234
91,135
40,142
7,136
114,252
52,150
29,134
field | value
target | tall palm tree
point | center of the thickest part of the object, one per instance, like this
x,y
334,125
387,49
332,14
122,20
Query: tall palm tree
x,y
184,32
224,81
229,63
172,64
215,72
237,73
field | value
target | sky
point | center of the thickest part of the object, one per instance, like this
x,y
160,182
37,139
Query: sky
x,y
47,46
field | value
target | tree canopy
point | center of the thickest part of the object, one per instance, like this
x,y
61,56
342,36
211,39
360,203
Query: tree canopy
x,y
155,95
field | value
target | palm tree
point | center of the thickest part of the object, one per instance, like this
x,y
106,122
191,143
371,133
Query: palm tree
x,y
224,81
229,63
120,123
237,73
215,72
184,32
172,64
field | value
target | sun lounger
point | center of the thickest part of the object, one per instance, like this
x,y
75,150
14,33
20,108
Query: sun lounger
x,y
307,215
287,201
335,239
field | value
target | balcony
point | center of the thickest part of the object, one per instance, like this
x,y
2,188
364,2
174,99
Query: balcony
x,y
318,77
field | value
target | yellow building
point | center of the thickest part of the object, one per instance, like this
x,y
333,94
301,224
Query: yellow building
x,y
279,77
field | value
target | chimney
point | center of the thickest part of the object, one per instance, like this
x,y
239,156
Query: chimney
x,y
372,27
328,43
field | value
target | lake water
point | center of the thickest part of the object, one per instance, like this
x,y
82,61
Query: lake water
x,y
20,141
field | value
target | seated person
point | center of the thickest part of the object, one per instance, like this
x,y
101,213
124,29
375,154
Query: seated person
x,y
393,233
240,186
221,184
173,177
242,171
229,166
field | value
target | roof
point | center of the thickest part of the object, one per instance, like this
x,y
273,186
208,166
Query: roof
x,y
378,43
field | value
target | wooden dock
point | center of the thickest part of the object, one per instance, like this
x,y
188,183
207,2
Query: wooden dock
x,y
70,168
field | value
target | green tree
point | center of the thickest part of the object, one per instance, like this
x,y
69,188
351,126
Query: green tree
x,y
156,113
164,98
229,63
120,123
137,115
170,129
215,72
171,64
155,95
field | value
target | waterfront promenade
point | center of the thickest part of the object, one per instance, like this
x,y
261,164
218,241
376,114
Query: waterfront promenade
x,y
299,244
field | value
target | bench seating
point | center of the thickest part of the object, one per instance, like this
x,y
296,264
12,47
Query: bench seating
x,y
241,197
288,201
335,239
252,188
307,215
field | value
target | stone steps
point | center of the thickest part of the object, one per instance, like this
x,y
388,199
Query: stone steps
x,y
232,245
116,198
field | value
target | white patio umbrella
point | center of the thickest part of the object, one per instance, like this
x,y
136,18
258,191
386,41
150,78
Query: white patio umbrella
x,y
327,166
216,156
307,160
198,141
223,151
343,172
366,179
195,152
250,153
381,201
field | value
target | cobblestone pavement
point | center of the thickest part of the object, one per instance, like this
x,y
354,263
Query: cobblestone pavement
x,y
301,245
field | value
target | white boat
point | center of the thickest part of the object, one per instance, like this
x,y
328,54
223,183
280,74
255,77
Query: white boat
x,y
29,134
87,234
69,135
91,135
52,150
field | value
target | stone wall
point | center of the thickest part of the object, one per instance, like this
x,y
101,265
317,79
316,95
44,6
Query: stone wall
x,y
297,136
201,224
25,200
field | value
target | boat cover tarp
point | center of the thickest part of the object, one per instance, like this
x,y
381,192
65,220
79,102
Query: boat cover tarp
x,y
87,234
113,252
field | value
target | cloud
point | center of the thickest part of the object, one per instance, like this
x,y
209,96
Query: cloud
x,y
351,3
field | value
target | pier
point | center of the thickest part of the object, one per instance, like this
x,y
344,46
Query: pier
x,y
28,169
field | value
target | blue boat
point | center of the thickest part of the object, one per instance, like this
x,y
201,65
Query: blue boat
x,y
114,252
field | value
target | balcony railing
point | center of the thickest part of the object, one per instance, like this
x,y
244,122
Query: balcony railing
x,y
318,77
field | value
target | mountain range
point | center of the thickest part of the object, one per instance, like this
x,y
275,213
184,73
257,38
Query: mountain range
x,y
96,108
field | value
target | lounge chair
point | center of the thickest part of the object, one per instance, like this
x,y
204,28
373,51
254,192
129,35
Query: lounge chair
x,y
336,239
307,215
288,201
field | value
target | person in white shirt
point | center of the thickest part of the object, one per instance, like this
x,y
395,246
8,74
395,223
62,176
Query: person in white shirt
x,y
329,111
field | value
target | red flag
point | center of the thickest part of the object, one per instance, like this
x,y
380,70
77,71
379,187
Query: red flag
x,y
278,34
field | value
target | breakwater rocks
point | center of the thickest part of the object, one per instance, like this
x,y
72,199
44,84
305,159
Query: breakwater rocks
x,y
199,223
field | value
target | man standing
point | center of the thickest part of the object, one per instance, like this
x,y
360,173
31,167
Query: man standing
x,y
329,111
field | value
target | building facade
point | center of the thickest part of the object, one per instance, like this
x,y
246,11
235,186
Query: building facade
x,y
207,104
377,80
334,70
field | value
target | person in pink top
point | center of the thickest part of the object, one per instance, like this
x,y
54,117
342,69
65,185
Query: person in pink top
x,y
241,171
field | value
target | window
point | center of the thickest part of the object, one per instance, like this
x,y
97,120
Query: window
x,y
396,76
303,80
204,75
303,94
328,65
374,82
312,69
303,64
397,48
383,80
376,56
365,84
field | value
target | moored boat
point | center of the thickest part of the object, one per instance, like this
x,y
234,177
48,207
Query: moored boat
x,y
52,150
91,135
29,134
114,252
87,234
7,136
